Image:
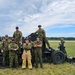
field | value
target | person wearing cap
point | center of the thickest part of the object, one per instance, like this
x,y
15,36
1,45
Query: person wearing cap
x,y
42,34
18,36
13,57
5,50
38,52
27,46
61,45
18,40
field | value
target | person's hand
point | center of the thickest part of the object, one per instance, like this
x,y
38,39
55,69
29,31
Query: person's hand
x,y
15,49
20,43
2,51
35,45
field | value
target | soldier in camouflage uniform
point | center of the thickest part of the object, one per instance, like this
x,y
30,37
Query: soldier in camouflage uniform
x,y
41,33
61,45
0,52
0,43
5,50
18,40
38,52
26,54
13,57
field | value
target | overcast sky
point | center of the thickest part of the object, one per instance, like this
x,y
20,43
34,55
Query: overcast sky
x,y
57,17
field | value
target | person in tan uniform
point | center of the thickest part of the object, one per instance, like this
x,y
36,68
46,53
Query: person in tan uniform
x,y
26,55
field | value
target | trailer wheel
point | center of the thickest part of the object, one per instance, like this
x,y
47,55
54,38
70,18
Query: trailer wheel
x,y
58,57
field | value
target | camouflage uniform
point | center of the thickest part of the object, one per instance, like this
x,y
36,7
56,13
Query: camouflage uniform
x,y
0,54
13,57
0,45
38,53
61,46
18,40
26,55
41,33
5,49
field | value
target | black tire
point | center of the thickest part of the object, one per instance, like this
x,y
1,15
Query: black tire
x,y
58,57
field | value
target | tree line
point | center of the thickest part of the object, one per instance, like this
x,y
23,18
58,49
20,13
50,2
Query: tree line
x,y
58,38
49,38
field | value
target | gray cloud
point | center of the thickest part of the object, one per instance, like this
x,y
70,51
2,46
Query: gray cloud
x,y
48,13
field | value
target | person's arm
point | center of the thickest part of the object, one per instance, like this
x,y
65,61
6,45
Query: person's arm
x,y
16,47
10,47
14,35
43,31
2,49
24,46
20,38
0,45
39,45
36,32
35,45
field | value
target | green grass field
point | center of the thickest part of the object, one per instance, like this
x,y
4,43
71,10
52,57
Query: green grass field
x,y
49,69
70,47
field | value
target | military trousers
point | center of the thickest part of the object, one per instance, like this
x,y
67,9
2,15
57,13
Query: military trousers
x,y
19,52
13,59
38,55
6,58
46,41
33,57
26,56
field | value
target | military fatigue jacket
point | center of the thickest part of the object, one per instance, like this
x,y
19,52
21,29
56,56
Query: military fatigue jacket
x,y
27,46
0,45
13,46
5,44
38,43
41,33
18,36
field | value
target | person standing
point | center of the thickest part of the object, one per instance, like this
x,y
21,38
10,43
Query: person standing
x,y
13,57
41,33
61,46
26,55
18,40
5,50
38,52
0,44
0,53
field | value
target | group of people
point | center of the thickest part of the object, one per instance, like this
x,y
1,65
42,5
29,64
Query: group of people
x,y
12,53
